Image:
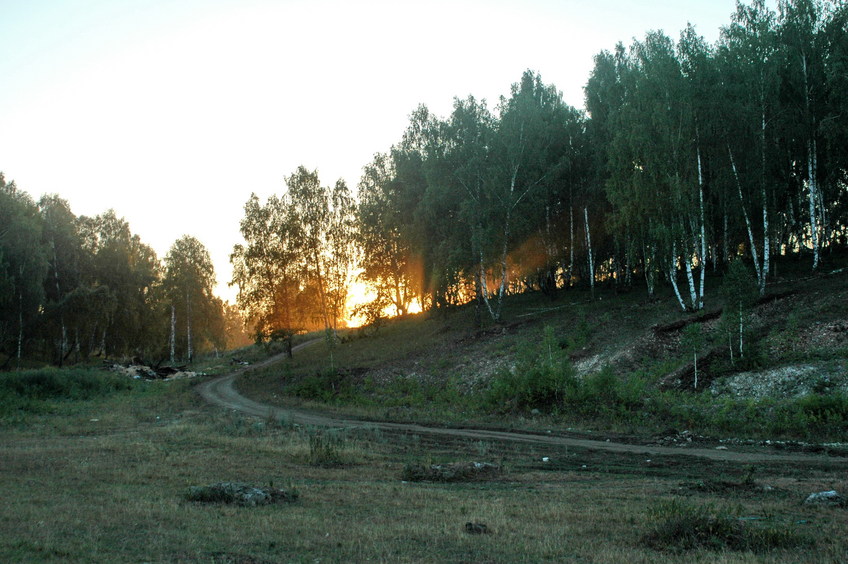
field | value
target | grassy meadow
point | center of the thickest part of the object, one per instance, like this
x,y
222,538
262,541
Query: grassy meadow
x,y
105,479
96,468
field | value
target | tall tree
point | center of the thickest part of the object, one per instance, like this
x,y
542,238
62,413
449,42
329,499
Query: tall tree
x,y
266,271
23,268
188,283
748,55
386,255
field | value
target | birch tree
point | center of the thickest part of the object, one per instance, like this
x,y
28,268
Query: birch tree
x,y
189,281
748,55
23,268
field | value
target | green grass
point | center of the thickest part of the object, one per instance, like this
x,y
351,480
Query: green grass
x,y
83,486
443,369
680,526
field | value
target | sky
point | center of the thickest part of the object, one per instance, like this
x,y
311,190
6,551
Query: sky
x,y
172,112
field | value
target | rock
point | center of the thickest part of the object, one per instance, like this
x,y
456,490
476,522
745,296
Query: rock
x,y
239,493
456,472
826,498
476,528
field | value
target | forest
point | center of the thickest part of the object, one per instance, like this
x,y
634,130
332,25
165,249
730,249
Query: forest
x,y
690,158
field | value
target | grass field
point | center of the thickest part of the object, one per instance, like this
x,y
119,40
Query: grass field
x,y
105,480
96,469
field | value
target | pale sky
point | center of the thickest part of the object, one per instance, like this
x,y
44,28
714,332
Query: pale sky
x,y
173,111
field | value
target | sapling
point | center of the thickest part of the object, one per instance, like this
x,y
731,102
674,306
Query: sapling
x,y
693,340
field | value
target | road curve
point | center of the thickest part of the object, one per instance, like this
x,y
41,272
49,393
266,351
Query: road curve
x,y
221,391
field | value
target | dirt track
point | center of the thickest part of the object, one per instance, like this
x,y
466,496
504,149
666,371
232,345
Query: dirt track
x,y
220,391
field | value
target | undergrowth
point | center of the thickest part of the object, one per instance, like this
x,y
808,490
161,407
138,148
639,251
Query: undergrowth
x,y
680,526
39,391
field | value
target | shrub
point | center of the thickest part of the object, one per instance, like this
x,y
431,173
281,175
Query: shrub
x,y
538,380
329,386
31,391
678,526
325,450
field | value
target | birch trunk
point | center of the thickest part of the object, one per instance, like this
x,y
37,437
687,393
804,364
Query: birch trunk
x,y
702,262
766,239
571,244
188,326
484,287
650,259
754,253
693,294
20,326
813,189
672,276
173,337
811,170
696,370
64,342
589,249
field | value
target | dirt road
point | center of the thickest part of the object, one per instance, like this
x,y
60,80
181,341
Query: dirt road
x,y
220,391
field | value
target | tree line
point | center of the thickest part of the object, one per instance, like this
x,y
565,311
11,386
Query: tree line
x,y
75,287
689,155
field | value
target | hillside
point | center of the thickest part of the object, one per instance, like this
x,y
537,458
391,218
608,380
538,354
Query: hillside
x,y
619,363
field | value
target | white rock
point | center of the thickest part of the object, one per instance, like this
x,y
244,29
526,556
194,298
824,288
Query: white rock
x,y
829,497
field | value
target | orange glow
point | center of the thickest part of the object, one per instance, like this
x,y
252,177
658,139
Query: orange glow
x,y
358,294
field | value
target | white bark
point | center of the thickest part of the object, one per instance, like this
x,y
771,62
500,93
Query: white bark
x,y
650,259
188,326
589,248
812,167
693,294
760,270
571,244
672,276
484,287
64,343
173,338
703,258
812,184
766,239
696,370
20,325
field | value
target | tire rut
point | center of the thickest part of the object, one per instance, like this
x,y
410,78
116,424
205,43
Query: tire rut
x,y
221,391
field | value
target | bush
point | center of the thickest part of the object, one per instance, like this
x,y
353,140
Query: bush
x,y
538,380
325,450
31,390
328,387
678,526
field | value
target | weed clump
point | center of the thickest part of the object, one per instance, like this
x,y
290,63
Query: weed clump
x,y
679,527
239,493
325,450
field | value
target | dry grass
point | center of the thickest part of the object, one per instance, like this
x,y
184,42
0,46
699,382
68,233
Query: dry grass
x,y
113,490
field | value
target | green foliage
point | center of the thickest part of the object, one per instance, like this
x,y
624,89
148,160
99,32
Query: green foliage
x,y
198,321
679,526
325,449
33,391
70,384
539,379
329,386
825,411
